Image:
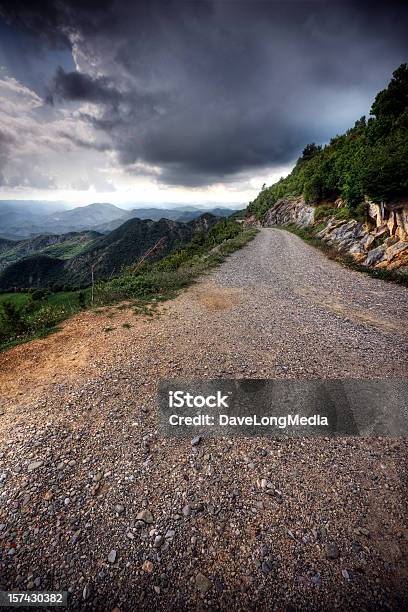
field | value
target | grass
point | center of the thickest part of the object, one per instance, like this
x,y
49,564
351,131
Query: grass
x,y
343,213
17,298
54,299
67,249
309,235
323,212
23,318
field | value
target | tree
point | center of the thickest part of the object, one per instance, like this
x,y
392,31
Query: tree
x,y
393,101
310,151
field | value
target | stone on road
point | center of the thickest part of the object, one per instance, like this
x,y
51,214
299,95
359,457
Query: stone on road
x,y
95,501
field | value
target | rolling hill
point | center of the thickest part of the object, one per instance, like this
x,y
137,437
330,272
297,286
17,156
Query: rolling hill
x,y
107,254
20,220
62,246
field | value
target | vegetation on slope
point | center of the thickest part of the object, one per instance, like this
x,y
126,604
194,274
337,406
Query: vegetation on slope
x,y
24,316
125,245
63,246
161,279
370,159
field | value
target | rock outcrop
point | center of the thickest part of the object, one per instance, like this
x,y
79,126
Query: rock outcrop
x,y
380,242
290,211
392,217
354,239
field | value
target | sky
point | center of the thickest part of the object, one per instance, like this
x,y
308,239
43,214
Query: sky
x,y
181,102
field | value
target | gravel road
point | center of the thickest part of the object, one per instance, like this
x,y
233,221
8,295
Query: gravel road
x,y
94,501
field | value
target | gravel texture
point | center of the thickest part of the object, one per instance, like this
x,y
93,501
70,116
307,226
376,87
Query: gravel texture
x,y
94,501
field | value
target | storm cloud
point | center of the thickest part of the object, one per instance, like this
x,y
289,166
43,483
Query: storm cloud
x,y
81,87
200,92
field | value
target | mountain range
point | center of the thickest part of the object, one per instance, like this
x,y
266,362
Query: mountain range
x,y
22,219
67,260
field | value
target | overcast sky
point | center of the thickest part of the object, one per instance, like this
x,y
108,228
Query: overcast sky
x,y
192,101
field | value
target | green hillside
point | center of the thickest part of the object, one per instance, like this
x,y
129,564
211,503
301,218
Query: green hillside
x,y
64,246
32,272
68,264
370,159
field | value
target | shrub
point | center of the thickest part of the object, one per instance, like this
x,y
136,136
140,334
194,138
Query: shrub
x,y
46,317
40,294
13,320
82,299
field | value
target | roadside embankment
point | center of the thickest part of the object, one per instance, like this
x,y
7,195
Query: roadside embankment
x,y
377,239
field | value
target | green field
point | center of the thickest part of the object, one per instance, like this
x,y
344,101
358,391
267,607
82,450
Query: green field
x,y
68,298
66,250
17,298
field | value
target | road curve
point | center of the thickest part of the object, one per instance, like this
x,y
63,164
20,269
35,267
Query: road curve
x,y
294,313
82,456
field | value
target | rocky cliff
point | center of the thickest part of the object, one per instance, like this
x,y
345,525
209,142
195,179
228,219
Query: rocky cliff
x,y
381,241
290,211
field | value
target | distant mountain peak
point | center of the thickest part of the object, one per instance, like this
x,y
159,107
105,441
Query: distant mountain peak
x,y
28,219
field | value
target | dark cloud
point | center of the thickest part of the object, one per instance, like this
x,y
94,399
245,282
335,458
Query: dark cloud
x,y
54,20
205,90
79,87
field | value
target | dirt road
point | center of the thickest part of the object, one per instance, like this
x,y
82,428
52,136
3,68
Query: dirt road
x,y
81,456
